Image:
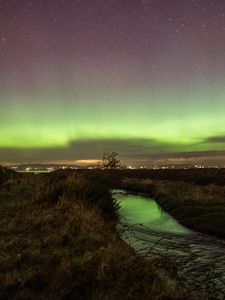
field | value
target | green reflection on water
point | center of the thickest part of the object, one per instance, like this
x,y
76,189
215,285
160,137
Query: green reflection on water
x,y
139,209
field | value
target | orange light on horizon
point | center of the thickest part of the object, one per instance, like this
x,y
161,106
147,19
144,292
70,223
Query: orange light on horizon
x,y
87,161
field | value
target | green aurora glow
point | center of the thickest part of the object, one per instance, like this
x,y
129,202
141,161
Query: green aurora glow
x,y
179,117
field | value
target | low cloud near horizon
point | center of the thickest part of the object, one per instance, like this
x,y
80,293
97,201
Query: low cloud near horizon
x,y
134,151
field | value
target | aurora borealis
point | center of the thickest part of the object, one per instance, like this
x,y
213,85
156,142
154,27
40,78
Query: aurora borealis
x,y
145,78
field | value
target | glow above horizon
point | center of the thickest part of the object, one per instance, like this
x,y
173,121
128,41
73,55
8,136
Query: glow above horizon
x,y
39,125
155,73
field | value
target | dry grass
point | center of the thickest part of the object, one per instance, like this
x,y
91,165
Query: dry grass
x,y
58,243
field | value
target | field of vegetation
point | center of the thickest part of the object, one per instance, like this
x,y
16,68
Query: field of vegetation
x,y
195,197
59,241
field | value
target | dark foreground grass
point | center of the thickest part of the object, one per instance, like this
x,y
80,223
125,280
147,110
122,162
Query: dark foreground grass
x,y
6,174
58,241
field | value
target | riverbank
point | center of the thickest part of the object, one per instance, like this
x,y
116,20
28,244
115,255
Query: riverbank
x,y
198,258
199,207
59,241
194,197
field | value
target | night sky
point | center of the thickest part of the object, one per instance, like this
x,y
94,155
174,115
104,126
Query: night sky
x,y
145,78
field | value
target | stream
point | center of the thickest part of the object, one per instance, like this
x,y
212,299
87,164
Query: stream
x,y
199,259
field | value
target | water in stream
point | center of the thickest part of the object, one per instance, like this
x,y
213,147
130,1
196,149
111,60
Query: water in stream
x,y
151,231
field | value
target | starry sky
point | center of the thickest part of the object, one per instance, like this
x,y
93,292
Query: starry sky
x,y
145,78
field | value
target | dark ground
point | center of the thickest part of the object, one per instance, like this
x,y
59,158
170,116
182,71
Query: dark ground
x,y
59,241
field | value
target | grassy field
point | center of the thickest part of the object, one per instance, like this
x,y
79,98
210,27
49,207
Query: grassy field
x,y
195,197
59,241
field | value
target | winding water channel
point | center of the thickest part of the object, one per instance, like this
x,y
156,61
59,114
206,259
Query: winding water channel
x,y
199,259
